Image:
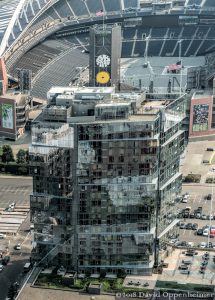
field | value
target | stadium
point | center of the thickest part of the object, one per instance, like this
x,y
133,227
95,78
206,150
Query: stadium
x,y
51,38
167,55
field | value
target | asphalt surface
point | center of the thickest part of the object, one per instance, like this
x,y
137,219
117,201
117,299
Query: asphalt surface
x,y
197,199
194,267
15,190
13,271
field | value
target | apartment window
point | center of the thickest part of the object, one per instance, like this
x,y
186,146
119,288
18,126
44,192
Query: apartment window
x,y
111,158
121,158
110,167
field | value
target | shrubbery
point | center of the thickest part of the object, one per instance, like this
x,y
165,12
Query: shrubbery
x,y
192,178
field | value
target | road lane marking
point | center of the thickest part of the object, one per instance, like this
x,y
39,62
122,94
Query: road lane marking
x,y
25,238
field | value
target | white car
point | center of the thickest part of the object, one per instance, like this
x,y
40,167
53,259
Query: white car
x,y
190,244
2,236
205,232
1,268
203,245
173,241
184,200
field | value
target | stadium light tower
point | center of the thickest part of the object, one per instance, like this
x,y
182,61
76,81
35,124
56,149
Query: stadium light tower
x,y
146,52
180,60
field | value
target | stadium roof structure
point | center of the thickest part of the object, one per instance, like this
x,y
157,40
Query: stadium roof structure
x,y
12,14
18,16
155,25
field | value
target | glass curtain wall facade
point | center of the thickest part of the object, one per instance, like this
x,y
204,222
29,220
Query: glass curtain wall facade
x,y
105,196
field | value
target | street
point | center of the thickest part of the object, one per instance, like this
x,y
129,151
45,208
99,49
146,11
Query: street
x,y
15,189
13,270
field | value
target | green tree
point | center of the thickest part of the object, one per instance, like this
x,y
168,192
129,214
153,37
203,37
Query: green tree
x,y
21,157
7,153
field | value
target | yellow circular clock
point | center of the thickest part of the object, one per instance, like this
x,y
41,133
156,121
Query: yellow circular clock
x,y
102,77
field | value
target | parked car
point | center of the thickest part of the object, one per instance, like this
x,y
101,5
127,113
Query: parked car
x,y
205,258
192,216
190,244
204,217
183,267
205,232
189,226
198,215
209,196
184,200
186,215
189,253
1,268
210,217
195,226
203,245
193,251
183,226
187,262
173,241
199,232
210,149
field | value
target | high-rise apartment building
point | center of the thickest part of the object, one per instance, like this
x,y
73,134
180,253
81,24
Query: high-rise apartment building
x,y
105,179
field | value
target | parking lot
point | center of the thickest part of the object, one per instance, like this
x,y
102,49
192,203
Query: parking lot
x,y
173,273
15,190
196,200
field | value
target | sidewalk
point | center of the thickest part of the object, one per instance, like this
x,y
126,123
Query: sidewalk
x,y
11,176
